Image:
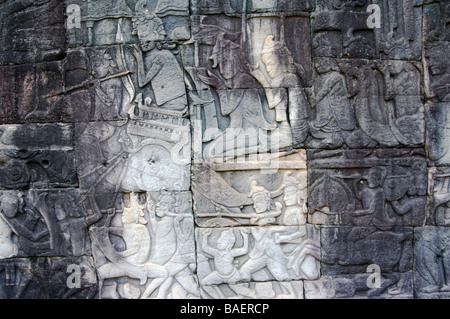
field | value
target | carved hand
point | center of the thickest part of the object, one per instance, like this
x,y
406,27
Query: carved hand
x,y
211,80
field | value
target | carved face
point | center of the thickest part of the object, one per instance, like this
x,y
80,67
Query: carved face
x,y
226,240
273,66
164,205
261,203
290,195
149,30
11,205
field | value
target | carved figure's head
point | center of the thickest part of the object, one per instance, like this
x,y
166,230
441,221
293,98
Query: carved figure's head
x,y
277,58
11,204
262,201
226,239
165,205
149,29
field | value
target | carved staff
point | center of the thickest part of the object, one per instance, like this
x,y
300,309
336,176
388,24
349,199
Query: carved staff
x,y
127,82
90,82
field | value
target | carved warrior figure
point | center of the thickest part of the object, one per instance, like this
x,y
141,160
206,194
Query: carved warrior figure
x,y
157,66
134,261
25,222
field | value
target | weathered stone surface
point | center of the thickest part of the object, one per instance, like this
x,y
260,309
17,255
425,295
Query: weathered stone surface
x,y
392,286
362,103
341,29
438,71
46,223
249,6
382,188
47,278
438,133
351,250
255,290
431,262
157,149
436,16
148,246
439,204
135,155
32,31
247,254
251,192
109,22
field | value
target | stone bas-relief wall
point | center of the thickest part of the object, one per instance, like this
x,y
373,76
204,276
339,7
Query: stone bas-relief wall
x,y
224,149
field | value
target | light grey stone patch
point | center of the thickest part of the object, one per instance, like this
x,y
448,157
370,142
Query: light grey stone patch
x,y
255,290
262,190
257,254
439,202
150,241
382,188
431,262
392,286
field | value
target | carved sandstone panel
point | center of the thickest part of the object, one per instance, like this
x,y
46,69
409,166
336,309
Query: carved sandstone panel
x,y
249,52
362,103
381,188
249,6
358,286
438,133
147,247
37,155
439,190
431,262
257,254
46,223
351,250
267,190
31,31
436,17
255,290
437,71
106,22
48,278
340,29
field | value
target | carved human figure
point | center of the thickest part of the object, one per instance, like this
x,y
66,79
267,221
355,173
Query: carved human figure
x,y
108,92
266,252
414,202
134,261
242,106
26,222
224,255
156,64
263,205
294,198
373,200
432,261
73,221
406,119
283,72
173,228
333,114
304,258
